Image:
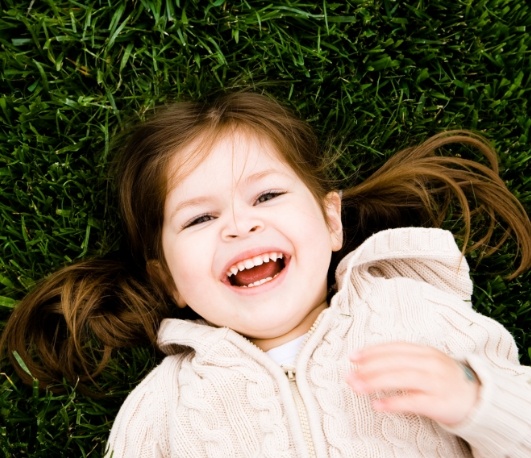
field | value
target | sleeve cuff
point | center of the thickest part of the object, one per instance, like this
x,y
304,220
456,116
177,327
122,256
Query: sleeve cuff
x,y
500,423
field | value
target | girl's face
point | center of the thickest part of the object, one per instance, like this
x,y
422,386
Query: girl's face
x,y
247,244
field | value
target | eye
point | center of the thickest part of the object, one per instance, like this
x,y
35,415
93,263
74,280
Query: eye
x,y
198,220
268,195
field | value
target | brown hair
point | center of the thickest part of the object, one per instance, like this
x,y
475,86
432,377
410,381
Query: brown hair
x,y
70,323
418,187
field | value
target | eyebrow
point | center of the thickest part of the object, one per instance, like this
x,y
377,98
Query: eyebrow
x,y
259,175
195,201
188,203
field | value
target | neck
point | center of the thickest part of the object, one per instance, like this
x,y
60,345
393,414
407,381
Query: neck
x,y
302,328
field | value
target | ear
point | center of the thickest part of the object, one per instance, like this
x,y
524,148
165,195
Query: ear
x,y
332,208
162,279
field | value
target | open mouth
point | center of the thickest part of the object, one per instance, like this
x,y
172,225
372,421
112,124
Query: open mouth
x,y
257,270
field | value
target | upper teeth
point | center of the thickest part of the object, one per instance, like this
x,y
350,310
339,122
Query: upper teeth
x,y
253,262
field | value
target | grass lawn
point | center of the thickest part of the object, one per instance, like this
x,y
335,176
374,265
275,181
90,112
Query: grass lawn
x,y
373,75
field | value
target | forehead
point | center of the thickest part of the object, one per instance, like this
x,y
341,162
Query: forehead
x,y
236,153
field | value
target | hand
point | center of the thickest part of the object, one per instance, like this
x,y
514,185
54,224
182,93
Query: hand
x,y
416,379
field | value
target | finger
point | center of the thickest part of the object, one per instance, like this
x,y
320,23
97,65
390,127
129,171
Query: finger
x,y
445,411
447,398
384,349
397,362
441,376
434,364
391,380
386,381
429,372
419,404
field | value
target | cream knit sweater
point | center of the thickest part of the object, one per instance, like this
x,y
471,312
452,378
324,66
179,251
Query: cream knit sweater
x,y
218,395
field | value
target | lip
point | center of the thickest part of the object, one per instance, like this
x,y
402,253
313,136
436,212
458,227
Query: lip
x,y
248,254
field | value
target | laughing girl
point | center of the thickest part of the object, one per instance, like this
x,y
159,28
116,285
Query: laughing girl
x,y
312,321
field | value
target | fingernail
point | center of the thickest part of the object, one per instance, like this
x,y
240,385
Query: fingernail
x,y
355,384
355,356
378,405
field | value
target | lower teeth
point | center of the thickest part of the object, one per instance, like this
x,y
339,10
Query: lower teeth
x,y
259,282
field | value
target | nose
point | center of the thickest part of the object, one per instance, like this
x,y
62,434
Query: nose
x,y
241,225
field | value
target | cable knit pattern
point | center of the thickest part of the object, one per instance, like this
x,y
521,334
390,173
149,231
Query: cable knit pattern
x,y
218,395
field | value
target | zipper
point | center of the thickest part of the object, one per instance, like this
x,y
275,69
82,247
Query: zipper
x,y
299,403
301,409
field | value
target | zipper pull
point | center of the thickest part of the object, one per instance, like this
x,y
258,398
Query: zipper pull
x,y
290,373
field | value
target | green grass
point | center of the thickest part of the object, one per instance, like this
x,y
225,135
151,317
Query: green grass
x,y
371,75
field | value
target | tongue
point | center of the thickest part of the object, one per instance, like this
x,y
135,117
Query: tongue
x,y
248,276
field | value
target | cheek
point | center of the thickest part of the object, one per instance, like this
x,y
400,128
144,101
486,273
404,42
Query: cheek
x,y
189,262
315,228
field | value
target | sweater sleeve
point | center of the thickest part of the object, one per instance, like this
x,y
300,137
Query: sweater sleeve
x,y
500,423
138,430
